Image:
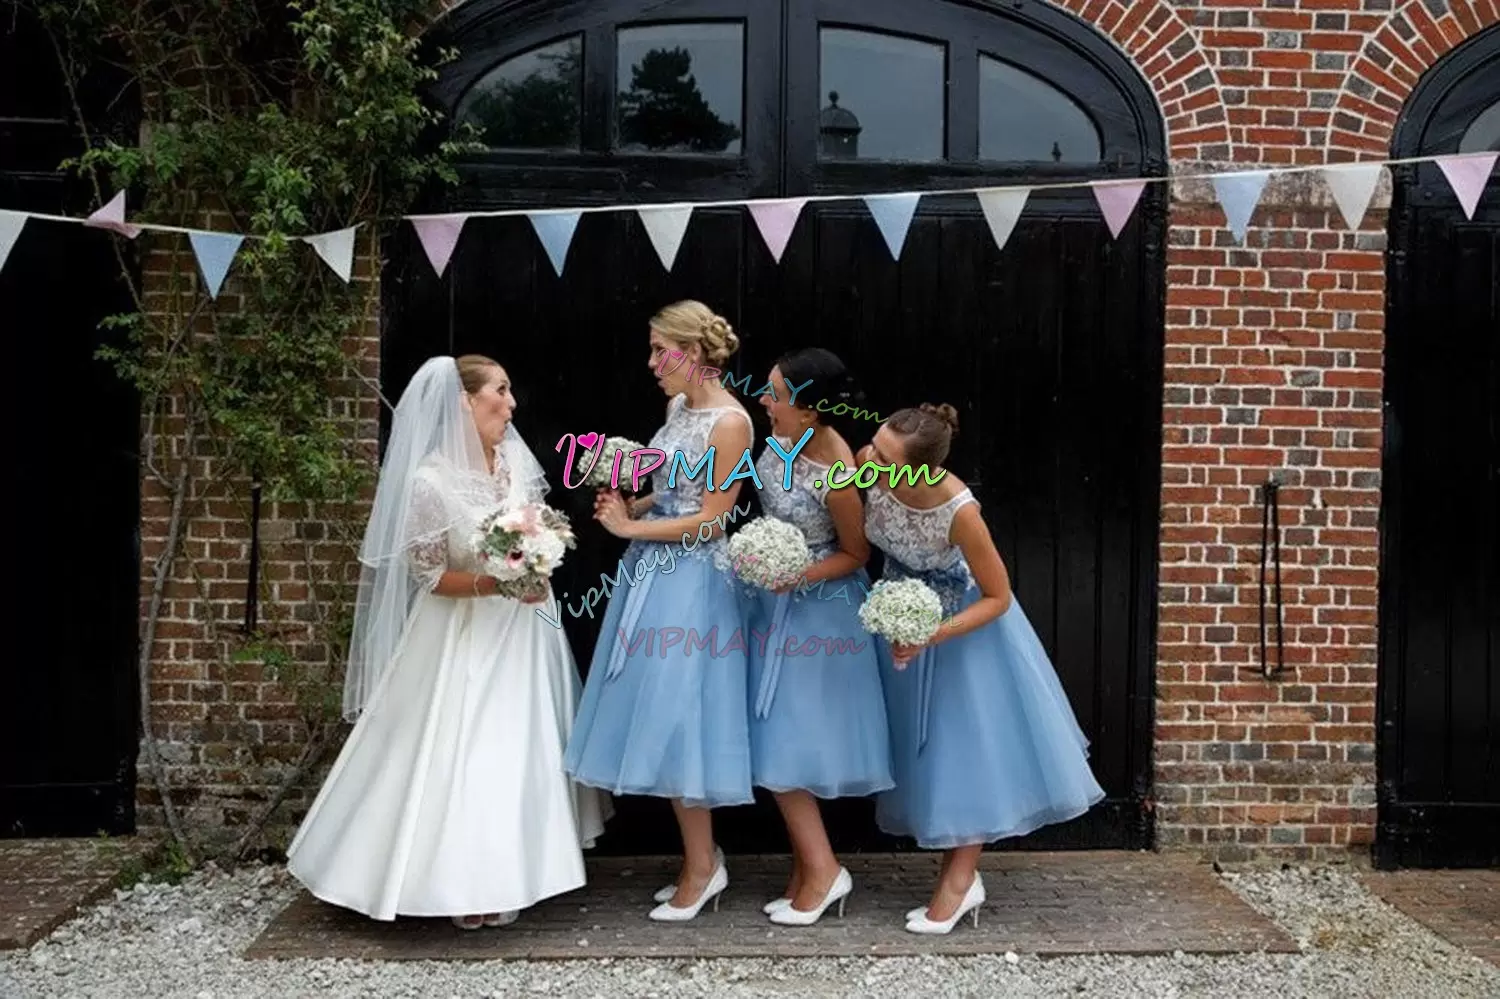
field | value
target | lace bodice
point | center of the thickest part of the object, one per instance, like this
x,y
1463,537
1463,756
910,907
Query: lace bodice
x,y
447,505
804,504
917,542
687,430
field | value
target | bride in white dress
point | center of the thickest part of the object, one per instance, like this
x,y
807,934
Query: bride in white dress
x,y
449,797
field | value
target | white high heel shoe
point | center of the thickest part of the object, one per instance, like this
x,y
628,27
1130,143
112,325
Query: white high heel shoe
x,y
973,899
669,913
665,894
837,892
774,904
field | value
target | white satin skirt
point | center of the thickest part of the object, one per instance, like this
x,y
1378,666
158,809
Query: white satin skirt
x,y
449,797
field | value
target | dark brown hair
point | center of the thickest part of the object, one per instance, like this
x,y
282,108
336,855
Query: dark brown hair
x,y
929,431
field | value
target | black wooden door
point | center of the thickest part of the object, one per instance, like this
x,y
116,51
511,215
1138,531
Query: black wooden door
x,y
1439,676
1051,348
68,716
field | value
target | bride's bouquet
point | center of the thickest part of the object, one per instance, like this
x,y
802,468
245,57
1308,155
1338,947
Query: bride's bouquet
x,y
521,548
903,611
602,471
768,552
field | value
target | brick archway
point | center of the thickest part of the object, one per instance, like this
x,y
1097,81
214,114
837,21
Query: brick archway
x,y
1388,67
1170,55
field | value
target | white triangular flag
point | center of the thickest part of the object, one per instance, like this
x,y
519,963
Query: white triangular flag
x,y
10,230
666,227
336,249
1352,186
1467,174
1002,208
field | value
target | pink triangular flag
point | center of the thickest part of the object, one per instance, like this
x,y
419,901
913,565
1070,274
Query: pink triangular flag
x,y
776,220
1117,201
1467,174
112,217
439,235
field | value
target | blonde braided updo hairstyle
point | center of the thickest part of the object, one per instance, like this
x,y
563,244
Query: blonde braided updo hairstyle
x,y
688,322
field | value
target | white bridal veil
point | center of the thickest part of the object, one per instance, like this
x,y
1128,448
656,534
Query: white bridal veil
x,y
434,473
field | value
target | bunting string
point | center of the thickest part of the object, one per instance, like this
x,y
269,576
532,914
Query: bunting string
x,y
1351,184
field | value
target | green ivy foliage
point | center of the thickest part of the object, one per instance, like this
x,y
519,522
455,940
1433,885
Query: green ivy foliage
x,y
290,118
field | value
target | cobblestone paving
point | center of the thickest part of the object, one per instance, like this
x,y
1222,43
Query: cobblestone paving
x,y
1462,907
43,882
1045,904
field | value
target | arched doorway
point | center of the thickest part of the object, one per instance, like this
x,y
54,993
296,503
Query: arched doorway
x,y
1439,676
1052,349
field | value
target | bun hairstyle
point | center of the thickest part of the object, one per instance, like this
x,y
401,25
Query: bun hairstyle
x,y
929,431
828,376
688,322
474,371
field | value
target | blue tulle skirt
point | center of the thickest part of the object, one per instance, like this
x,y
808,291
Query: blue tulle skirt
x,y
817,711
983,738
663,707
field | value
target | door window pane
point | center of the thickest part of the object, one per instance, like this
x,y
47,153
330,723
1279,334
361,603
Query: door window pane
x,y
883,97
1022,118
681,88
1483,135
530,101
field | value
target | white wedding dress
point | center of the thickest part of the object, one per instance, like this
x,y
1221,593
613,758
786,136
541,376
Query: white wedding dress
x,y
449,797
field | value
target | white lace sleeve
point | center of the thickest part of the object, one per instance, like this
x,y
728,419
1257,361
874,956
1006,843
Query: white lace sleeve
x,y
427,534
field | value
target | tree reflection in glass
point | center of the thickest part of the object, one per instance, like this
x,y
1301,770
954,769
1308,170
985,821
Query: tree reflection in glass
x,y
680,88
531,101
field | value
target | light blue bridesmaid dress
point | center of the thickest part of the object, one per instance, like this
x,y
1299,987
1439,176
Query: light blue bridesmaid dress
x,y
983,738
817,713
668,718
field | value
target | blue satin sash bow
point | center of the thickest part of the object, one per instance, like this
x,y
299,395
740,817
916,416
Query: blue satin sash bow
x,y
950,584
772,674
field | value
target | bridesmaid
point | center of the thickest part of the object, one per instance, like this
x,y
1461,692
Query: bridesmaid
x,y
674,725
817,721
984,741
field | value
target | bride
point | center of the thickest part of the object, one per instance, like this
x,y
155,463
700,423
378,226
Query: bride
x,y
449,797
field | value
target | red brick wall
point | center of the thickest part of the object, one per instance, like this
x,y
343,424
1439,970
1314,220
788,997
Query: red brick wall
x,y
1273,366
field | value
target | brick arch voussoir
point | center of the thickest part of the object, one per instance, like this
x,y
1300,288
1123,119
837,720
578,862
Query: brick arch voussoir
x,y
1387,69
1169,54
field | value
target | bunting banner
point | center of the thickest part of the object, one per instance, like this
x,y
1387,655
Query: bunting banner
x,y
776,220
893,214
336,249
438,236
555,230
1238,194
1352,187
666,227
215,252
1002,210
10,231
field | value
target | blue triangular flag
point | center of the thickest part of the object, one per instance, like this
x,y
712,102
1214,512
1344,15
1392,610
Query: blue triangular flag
x,y
555,230
215,251
1239,193
893,214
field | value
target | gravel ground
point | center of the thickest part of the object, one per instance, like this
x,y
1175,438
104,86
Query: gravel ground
x,y
179,942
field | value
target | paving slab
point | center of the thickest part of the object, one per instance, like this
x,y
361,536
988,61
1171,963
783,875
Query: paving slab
x,y
1462,907
1039,903
43,882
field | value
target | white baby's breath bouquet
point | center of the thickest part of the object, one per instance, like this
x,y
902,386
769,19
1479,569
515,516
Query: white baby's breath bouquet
x,y
521,548
768,552
902,611
599,475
